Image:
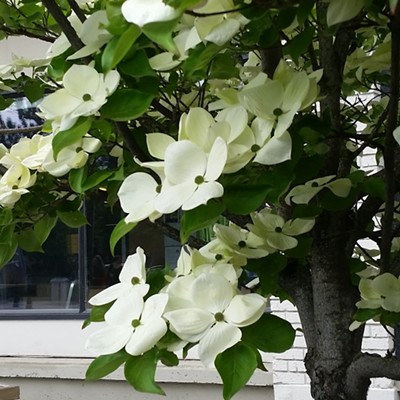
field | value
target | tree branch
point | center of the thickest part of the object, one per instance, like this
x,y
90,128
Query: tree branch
x,y
64,24
25,32
390,144
367,366
77,10
174,233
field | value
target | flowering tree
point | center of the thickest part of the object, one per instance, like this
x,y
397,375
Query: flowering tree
x,y
255,111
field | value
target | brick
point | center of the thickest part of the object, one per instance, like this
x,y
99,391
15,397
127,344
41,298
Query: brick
x,y
289,378
375,344
293,354
280,365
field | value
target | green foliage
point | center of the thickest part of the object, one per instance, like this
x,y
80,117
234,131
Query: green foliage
x,y
33,239
73,219
199,218
118,48
236,365
70,136
126,104
120,230
140,371
104,365
270,334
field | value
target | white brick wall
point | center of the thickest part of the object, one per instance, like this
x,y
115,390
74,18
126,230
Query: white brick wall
x,y
290,379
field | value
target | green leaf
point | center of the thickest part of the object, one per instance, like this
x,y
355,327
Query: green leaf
x,y
342,10
97,314
34,90
161,33
70,136
374,186
199,59
389,318
7,251
137,66
32,239
393,5
199,218
236,366
244,193
302,249
364,314
118,48
27,241
6,233
270,334
104,365
299,44
95,179
167,358
140,372
76,178
268,269
44,227
126,104
6,216
73,219
120,230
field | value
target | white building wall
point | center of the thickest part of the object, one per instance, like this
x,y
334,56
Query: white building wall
x,y
290,379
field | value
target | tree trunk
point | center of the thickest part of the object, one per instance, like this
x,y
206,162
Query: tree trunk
x,y
332,347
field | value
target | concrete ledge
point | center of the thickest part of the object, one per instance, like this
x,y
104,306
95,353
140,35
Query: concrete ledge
x,y
188,371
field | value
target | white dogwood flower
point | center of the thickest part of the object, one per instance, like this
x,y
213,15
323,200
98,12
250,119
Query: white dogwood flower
x,y
131,289
84,92
137,196
302,194
214,315
142,12
137,329
71,157
277,232
190,176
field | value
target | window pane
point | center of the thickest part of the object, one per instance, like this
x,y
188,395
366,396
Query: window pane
x,y
46,280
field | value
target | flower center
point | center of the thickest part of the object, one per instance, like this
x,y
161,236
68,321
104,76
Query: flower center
x,y
135,280
314,184
199,180
242,244
219,317
278,229
218,257
135,323
86,97
278,112
14,187
255,148
79,149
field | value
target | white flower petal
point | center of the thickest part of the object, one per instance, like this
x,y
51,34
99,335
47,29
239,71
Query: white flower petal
x,y
80,80
218,289
171,198
142,12
216,160
203,193
190,324
220,337
184,161
245,309
136,195
134,267
109,339
109,294
146,336
154,306
157,144
125,309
